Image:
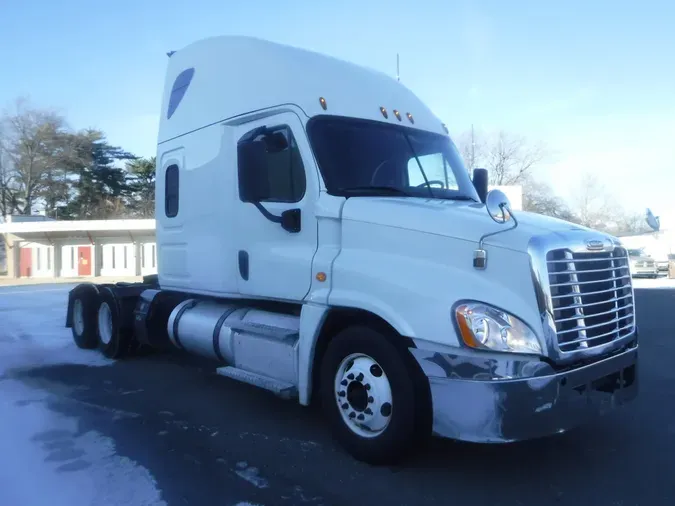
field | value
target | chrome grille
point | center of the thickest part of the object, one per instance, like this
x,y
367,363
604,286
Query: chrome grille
x,y
592,297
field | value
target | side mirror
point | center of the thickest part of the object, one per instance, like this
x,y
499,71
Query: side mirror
x,y
480,183
252,166
498,206
290,221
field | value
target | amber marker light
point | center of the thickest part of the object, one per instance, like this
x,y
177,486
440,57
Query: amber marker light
x,y
462,314
322,101
321,277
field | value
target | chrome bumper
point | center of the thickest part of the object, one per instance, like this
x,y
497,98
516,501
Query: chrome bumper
x,y
502,400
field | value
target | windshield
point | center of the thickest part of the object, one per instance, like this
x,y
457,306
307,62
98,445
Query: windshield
x,y
635,252
359,157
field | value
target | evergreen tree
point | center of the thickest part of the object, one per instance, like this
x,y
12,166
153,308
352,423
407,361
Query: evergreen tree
x,y
142,186
101,188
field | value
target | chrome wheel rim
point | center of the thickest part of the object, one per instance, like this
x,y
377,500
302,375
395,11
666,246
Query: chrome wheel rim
x,y
105,327
363,395
78,317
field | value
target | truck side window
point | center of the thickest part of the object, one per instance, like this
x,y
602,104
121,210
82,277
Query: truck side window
x,y
283,173
171,191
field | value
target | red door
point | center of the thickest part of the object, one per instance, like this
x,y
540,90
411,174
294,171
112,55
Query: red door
x,y
84,261
26,262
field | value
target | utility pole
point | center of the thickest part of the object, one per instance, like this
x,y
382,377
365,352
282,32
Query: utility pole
x,y
473,149
398,74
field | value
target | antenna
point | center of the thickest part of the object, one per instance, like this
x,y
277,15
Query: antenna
x,y
398,74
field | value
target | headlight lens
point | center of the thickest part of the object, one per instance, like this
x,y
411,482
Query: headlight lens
x,y
485,327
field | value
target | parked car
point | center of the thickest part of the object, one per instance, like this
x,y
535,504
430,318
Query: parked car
x,y
642,265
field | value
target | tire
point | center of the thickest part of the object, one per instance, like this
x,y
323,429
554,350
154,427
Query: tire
x,y
113,341
396,427
84,322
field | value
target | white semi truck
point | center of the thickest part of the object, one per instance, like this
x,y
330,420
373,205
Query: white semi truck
x,y
320,237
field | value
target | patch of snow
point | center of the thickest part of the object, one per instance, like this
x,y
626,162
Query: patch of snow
x,y
33,332
251,475
45,459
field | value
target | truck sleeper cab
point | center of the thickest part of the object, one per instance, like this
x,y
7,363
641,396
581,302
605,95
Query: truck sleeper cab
x,y
320,237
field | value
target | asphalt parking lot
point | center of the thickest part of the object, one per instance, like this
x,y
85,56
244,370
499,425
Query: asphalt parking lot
x,y
208,440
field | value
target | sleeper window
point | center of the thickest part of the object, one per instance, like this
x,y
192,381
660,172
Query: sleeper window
x,y
171,191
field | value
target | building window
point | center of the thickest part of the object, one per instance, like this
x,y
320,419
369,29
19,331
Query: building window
x,y
143,256
171,191
72,257
125,257
112,254
49,258
37,253
153,256
270,166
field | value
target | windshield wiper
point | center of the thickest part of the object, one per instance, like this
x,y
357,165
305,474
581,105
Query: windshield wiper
x,y
460,197
375,190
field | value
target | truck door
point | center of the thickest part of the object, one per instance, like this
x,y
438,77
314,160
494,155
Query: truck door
x,y
276,229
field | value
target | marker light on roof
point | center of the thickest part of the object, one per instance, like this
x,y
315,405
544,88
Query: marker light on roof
x,y
322,101
410,118
384,112
397,114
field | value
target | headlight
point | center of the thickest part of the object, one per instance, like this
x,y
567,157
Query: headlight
x,y
488,328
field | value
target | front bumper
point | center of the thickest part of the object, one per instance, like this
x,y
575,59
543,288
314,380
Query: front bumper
x,y
497,401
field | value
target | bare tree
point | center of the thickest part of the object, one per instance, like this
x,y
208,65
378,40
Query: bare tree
x,y
632,224
509,158
36,144
593,205
538,197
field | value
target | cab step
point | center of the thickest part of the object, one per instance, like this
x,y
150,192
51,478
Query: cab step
x,y
279,388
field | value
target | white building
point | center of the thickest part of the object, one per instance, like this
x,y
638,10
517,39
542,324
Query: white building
x,y
45,248
659,245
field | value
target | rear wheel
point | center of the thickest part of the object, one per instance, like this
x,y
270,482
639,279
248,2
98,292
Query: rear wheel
x,y
113,340
370,396
84,322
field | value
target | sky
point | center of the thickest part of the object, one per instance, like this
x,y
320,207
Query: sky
x,y
593,81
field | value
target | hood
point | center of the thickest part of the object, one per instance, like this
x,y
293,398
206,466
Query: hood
x,y
461,220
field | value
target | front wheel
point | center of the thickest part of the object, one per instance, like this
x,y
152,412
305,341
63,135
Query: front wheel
x,y
370,396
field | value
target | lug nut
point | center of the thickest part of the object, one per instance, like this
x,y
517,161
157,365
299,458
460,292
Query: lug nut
x,y
361,417
352,415
368,411
359,377
367,386
370,400
350,376
345,406
342,393
344,383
